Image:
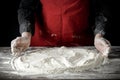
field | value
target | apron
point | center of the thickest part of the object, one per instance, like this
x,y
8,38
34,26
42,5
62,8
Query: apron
x,y
64,23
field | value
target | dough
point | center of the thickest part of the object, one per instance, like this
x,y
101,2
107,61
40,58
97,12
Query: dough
x,y
57,60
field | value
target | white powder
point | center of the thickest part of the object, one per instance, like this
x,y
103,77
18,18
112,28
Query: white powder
x,y
57,60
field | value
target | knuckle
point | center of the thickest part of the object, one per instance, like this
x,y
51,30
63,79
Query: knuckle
x,y
18,41
18,37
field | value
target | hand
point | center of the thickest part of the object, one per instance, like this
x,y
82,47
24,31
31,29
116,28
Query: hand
x,y
102,44
20,44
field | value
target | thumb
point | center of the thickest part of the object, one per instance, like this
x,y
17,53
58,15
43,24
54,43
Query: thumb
x,y
105,42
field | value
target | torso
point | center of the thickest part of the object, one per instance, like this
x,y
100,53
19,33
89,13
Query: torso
x,y
64,23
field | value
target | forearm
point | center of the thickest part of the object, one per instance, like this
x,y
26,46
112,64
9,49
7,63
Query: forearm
x,y
26,16
100,23
102,17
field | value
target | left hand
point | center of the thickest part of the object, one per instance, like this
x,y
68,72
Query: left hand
x,y
102,44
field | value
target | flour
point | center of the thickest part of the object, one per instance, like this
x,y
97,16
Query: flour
x,y
57,60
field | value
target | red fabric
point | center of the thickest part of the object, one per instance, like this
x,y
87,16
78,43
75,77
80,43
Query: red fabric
x,y
65,23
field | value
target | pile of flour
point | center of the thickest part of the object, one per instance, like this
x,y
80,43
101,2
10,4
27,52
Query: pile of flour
x,y
57,60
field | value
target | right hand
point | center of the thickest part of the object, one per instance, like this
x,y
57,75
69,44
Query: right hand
x,y
102,44
20,44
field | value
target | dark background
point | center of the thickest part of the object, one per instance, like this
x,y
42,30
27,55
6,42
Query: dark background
x,y
9,23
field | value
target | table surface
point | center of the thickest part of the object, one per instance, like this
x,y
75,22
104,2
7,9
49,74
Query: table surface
x,y
107,71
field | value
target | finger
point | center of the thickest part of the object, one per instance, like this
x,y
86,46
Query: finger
x,y
17,51
108,43
15,46
14,51
20,50
105,42
106,52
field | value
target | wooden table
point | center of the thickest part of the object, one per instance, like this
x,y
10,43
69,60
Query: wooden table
x,y
107,71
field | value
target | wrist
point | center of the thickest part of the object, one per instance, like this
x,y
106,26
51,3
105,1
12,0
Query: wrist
x,y
26,35
98,35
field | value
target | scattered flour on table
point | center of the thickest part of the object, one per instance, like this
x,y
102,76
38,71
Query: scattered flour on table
x,y
57,60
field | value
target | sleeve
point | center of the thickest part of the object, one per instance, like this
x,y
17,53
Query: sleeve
x,y
100,23
26,15
100,18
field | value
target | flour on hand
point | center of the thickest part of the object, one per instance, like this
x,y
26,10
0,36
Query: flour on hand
x,y
57,60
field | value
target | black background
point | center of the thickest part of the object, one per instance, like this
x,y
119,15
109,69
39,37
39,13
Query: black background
x,y
9,23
